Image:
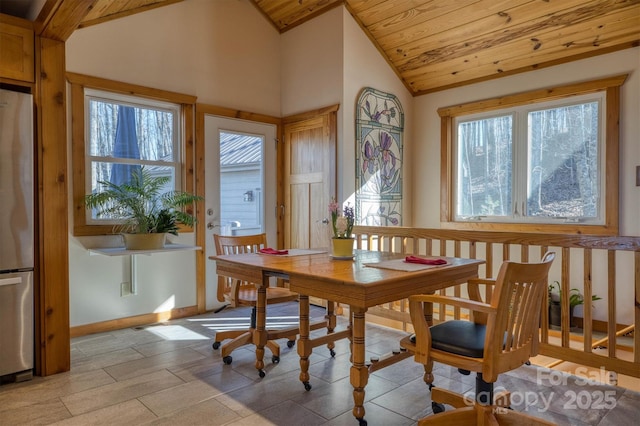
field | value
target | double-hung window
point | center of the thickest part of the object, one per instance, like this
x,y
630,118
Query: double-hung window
x,y
545,160
128,133
119,129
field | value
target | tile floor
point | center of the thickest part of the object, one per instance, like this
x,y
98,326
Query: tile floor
x,y
169,374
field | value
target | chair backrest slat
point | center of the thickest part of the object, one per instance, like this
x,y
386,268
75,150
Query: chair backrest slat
x,y
518,297
228,288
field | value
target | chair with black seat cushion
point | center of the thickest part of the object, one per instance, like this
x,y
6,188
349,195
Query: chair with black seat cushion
x,y
241,293
500,336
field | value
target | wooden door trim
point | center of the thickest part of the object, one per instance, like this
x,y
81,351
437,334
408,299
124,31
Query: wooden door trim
x,y
310,114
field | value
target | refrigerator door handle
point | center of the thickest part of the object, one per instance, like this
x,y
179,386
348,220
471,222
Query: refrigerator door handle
x,y
11,281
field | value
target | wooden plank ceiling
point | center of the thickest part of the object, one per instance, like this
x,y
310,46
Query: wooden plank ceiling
x,y
438,44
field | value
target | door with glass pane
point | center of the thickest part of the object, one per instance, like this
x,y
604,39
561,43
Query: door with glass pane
x,y
240,182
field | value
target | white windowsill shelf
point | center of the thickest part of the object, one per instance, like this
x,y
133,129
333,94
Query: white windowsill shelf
x,y
121,251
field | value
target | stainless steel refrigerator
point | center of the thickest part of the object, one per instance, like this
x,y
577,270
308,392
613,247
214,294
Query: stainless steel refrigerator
x,y
16,234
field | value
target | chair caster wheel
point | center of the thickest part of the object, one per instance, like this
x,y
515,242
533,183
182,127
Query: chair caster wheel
x,y
431,386
216,345
261,373
362,422
227,359
275,359
437,407
291,343
332,353
307,386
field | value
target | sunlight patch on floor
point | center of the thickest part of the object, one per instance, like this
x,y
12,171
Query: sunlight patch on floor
x,y
176,332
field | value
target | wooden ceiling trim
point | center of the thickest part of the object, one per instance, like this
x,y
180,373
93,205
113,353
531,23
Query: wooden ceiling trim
x,y
539,95
100,9
62,18
289,14
119,9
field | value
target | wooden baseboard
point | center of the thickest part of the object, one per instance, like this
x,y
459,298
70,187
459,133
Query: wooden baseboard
x,y
145,319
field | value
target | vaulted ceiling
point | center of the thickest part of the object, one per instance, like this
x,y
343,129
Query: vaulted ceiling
x,y
438,44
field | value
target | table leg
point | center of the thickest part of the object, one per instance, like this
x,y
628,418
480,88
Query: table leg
x,y
331,325
427,308
260,333
350,327
359,371
304,345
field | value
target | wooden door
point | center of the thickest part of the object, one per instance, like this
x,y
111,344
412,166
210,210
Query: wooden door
x,y
309,177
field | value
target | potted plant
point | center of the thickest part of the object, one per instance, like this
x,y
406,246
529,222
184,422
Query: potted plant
x,y
144,208
342,223
575,298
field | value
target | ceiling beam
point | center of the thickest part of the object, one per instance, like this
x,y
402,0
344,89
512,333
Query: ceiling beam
x,y
58,19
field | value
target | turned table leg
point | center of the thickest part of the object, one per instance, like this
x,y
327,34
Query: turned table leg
x,y
359,371
304,345
260,333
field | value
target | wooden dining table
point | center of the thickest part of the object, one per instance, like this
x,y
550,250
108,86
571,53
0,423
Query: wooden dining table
x,y
369,279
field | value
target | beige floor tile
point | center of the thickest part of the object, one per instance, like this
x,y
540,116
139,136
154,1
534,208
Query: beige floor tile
x,y
94,362
210,412
126,413
167,401
168,374
37,413
47,388
115,393
138,367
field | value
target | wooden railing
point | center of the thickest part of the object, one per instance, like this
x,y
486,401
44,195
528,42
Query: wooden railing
x,y
606,266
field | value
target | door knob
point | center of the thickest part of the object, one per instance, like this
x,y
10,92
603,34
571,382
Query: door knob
x,y
325,221
210,225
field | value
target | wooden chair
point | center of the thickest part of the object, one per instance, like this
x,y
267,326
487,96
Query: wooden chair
x,y
242,293
500,336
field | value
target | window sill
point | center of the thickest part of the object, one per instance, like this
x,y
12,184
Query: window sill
x,y
121,251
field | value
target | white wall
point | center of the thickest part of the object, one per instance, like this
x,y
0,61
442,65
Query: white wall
x,y
364,67
327,61
311,66
223,52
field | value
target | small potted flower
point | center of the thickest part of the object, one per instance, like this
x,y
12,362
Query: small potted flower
x,y
342,223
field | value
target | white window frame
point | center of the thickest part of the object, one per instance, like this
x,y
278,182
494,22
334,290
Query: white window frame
x,y
521,149
610,174
133,101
